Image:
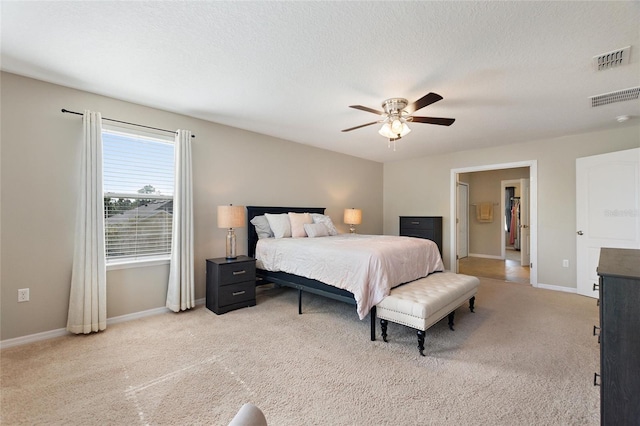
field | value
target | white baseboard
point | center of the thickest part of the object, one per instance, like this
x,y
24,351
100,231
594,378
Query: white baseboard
x,y
45,335
137,315
486,256
557,288
31,338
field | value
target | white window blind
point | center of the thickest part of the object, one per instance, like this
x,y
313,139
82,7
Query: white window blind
x,y
138,195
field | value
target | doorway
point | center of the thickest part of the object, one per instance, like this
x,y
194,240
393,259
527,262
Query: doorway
x,y
499,263
514,230
500,246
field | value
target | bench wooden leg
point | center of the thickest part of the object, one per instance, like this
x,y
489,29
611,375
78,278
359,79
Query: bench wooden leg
x,y
372,320
421,342
472,302
451,315
383,327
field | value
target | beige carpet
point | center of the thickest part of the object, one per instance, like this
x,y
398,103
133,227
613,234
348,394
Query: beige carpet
x,y
526,357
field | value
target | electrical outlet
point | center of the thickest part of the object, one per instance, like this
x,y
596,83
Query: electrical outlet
x,y
565,263
23,295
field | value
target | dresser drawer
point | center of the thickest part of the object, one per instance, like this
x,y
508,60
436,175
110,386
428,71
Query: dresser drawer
x,y
236,293
237,272
416,223
420,233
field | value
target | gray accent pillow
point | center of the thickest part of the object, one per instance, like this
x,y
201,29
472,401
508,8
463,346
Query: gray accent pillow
x,y
321,218
262,227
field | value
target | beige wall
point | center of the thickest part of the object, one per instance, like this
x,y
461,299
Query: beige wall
x,y
421,186
40,153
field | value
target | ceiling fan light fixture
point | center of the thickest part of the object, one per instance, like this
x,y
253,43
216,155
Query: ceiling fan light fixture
x,y
394,130
396,126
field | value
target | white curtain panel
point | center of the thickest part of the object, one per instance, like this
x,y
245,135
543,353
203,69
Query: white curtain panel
x,y
181,289
88,297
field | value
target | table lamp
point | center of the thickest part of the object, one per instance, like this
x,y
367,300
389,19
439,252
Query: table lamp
x,y
231,217
352,217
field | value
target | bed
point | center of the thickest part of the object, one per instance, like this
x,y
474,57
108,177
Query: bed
x,y
303,280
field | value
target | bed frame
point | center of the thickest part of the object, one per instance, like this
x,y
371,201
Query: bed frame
x,y
296,281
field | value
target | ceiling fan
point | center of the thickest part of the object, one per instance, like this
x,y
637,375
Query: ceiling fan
x,y
398,112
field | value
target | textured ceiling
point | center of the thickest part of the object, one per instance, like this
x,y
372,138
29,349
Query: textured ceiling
x,y
508,71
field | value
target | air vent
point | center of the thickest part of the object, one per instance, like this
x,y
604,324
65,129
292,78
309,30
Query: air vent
x,y
613,97
613,59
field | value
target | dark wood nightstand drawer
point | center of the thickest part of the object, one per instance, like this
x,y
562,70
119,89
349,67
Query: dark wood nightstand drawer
x,y
237,272
237,293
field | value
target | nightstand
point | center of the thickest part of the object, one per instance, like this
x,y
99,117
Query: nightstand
x,y
231,283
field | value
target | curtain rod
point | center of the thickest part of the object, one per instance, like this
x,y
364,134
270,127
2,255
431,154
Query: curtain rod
x,y
125,122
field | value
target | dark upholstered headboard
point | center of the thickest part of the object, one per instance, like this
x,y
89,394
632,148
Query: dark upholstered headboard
x,y
253,211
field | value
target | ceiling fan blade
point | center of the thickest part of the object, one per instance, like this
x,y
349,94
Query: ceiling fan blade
x,y
357,127
424,101
434,120
364,108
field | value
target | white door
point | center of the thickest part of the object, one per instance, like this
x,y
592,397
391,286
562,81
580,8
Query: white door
x,y
525,226
607,210
462,216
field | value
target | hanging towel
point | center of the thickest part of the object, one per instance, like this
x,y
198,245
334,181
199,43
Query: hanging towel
x,y
484,212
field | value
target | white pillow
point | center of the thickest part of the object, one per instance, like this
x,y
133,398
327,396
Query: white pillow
x,y
298,220
279,224
262,227
314,230
326,220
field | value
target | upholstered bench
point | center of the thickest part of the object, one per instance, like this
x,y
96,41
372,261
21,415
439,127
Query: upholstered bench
x,y
421,303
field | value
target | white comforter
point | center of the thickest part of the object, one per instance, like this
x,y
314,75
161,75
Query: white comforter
x,y
366,265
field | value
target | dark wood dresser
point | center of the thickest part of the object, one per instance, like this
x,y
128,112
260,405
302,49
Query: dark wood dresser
x,y
619,271
429,227
231,283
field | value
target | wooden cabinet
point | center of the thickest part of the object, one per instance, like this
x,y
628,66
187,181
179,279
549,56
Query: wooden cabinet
x,y
619,271
231,283
429,227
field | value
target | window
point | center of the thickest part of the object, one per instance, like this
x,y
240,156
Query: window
x,y
138,195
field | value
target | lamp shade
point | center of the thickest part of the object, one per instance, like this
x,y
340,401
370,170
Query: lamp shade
x,y
231,216
352,216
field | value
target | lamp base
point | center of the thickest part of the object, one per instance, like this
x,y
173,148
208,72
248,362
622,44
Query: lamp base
x,y
352,229
231,245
